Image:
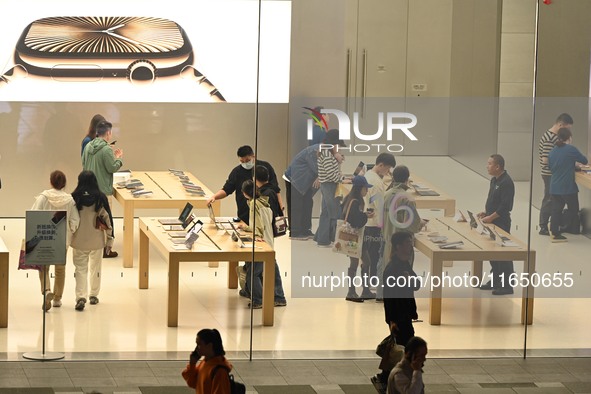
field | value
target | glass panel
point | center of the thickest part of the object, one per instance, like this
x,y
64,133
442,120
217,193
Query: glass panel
x,y
164,103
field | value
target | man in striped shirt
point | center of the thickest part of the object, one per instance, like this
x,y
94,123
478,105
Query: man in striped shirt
x,y
546,144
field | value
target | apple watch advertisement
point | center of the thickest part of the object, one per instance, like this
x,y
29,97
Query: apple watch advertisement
x,y
202,51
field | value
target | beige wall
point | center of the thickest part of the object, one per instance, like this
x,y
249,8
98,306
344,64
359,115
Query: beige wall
x,y
475,68
406,42
517,85
459,48
201,138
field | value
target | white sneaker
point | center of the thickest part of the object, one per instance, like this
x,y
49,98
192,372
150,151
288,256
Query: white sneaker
x,y
57,303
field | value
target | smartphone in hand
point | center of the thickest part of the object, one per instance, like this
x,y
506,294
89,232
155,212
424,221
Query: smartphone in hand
x,y
195,355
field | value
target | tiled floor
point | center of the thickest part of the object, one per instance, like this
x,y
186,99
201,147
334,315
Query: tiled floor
x,y
468,376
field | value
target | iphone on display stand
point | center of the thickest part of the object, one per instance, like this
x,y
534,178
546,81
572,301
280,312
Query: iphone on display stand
x,y
92,49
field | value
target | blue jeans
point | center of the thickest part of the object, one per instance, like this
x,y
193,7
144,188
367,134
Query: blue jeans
x,y
331,212
256,287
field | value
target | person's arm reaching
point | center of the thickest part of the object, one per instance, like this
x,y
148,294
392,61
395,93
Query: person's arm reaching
x,y
219,195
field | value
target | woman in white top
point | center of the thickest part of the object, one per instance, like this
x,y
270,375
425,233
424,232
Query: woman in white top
x,y
56,199
94,234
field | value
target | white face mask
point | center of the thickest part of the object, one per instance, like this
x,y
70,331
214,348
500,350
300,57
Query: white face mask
x,y
248,165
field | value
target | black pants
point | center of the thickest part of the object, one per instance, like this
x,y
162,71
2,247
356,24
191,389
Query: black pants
x,y
558,202
502,270
546,207
299,210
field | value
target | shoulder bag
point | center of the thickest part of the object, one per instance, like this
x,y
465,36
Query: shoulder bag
x,y
348,239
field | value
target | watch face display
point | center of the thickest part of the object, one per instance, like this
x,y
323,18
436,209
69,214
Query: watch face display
x,y
146,51
103,35
105,46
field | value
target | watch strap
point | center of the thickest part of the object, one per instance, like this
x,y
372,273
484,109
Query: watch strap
x,y
13,73
190,72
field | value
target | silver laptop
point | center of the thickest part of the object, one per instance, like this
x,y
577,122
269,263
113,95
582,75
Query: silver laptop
x,y
182,217
179,230
179,237
221,223
240,238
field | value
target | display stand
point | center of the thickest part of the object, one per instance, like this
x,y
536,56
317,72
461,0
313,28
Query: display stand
x,y
37,222
43,355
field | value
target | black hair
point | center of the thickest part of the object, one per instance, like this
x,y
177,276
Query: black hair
x,y
413,345
331,137
88,186
244,151
563,135
400,174
247,188
387,159
261,174
102,127
211,335
565,119
399,238
354,194
499,160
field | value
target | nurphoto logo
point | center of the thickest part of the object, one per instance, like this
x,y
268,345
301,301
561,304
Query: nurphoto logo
x,y
390,121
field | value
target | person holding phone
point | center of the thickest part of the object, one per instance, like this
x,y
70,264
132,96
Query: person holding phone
x,y
56,199
100,158
407,375
208,370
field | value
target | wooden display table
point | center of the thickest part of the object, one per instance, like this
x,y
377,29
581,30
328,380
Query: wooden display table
x,y
443,201
476,248
3,285
583,178
203,250
167,192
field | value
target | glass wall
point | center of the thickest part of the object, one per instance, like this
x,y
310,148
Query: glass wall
x,y
442,85
184,88
468,73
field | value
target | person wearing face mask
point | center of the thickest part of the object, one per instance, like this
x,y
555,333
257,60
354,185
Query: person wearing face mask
x,y
239,174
